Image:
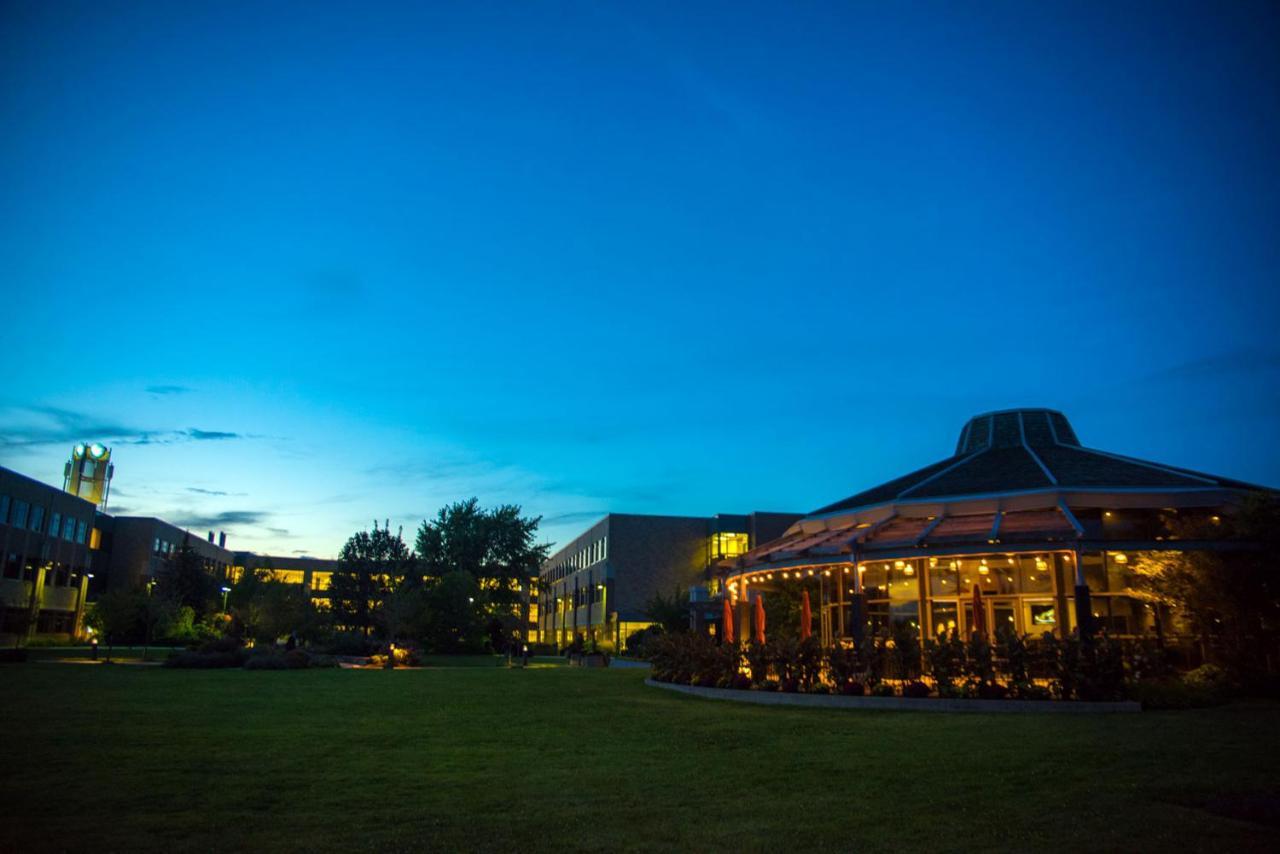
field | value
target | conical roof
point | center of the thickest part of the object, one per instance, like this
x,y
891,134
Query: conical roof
x,y
1022,450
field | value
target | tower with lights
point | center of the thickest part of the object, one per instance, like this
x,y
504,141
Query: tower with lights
x,y
88,473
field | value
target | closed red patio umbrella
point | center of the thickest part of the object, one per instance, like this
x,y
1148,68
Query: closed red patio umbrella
x,y
806,617
979,612
759,618
727,623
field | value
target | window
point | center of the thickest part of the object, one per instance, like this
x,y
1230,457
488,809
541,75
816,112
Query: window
x,y
4,508
724,545
37,518
19,517
81,530
68,529
55,524
13,566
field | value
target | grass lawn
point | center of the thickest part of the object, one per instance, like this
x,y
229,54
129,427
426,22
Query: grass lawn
x,y
553,758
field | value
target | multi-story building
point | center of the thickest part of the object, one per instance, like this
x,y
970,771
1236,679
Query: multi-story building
x,y
312,573
46,538
135,549
599,584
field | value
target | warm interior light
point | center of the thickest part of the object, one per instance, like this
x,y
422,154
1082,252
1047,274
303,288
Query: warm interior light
x,y
1121,557
933,561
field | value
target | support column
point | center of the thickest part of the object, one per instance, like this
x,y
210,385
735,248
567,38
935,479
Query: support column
x,y
858,607
78,627
1084,610
36,602
840,582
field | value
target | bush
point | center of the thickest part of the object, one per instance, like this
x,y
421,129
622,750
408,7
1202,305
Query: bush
x,y
638,643
318,660
758,661
196,660
347,644
297,659
1169,693
852,688
267,658
916,689
1212,680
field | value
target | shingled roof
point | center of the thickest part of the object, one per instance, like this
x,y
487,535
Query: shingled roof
x,y
1020,450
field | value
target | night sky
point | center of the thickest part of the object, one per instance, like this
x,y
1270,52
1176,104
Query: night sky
x,y
306,265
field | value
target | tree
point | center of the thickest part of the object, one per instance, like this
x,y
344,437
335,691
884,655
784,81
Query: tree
x,y
156,610
673,613
496,547
265,608
370,565
455,614
404,610
184,580
1230,597
116,615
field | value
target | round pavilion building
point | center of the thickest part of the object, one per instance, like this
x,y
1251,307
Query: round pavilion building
x,y
1044,526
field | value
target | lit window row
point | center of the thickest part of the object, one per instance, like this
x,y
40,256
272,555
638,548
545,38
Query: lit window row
x,y
19,514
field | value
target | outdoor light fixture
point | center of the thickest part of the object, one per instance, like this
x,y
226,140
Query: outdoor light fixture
x,y
1121,557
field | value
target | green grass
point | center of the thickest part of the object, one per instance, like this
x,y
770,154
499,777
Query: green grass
x,y
486,758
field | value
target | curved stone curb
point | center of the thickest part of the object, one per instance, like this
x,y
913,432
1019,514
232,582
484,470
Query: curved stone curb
x,y
900,704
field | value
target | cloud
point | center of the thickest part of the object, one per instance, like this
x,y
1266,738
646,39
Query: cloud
x,y
26,426
218,492
225,519
1220,365
162,390
211,435
573,518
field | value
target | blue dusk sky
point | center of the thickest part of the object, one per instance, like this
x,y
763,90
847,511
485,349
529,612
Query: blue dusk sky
x,y
305,265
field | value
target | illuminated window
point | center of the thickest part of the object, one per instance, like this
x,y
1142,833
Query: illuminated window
x,y
725,545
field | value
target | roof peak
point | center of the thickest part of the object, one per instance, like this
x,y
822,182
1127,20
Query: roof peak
x,y
1011,428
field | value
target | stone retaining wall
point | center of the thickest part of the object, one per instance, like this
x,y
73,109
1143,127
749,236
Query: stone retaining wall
x,y
899,704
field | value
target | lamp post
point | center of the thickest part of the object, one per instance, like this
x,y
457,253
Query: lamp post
x,y
225,591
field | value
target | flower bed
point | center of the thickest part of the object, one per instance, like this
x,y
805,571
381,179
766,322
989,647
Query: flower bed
x,y
1015,668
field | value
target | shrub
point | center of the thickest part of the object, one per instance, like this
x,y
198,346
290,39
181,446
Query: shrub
x,y
1211,679
991,691
297,659
946,663
808,666
852,688
638,643
758,660
843,665
916,689
266,658
883,689
318,660
220,645
191,659
1169,693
